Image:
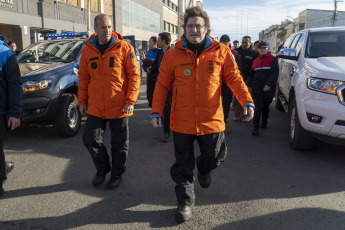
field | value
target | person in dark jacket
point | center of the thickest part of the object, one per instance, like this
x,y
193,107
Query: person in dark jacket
x,y
247,57
226,92
10,101
164,40
262,81
147,59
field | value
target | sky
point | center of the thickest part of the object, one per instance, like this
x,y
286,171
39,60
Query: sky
x,y
238,18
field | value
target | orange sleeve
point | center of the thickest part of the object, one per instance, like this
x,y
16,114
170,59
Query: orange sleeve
x,y
133,76
84,79
233,78
163,85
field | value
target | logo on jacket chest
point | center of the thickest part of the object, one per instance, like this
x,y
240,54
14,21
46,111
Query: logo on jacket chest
x,y
187,72
268,64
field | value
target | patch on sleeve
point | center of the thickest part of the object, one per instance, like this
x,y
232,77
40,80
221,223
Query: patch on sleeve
x,y
132,55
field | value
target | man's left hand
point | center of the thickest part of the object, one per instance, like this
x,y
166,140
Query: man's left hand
x,y
250,111
266,88
129,109
13,122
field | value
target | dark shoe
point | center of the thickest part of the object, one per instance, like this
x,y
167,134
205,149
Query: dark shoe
x,y
184,212
166,137
9,167
204,179
99,178
263,125
255,132
114,182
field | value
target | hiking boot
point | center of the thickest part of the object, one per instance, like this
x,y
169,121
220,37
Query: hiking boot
x,y
204,179
99,178
2,191
114,182
263,125
255,131
184,212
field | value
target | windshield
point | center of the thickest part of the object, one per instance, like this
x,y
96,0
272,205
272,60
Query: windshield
x,y
62,51
326,44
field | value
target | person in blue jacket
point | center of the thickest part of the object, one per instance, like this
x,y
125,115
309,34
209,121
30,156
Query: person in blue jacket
x,y
147,59
10,100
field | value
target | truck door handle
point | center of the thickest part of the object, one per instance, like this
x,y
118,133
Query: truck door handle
x,y
293,69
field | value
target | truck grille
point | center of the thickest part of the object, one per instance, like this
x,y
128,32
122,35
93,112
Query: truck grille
x,y
341,94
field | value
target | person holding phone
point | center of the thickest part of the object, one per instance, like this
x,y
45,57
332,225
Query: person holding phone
x,y
10,100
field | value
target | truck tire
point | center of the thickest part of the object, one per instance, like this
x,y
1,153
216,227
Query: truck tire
x,y
299,138
278,104
68,118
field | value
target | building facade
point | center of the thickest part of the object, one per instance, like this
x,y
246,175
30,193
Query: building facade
x,y
276,35
28,21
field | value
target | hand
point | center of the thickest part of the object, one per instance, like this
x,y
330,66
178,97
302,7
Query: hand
x,y
250,111
148,70
13,122
143,56
156,122
83,110
129,109
266,88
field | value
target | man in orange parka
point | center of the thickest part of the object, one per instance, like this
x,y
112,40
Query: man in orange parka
x,y
195,68
109,83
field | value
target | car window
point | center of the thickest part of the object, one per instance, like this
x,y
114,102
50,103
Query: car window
x,y
288,41
57,51
299,44
293,45
326,44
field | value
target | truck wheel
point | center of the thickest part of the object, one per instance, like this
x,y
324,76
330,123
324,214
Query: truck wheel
x,y
68,117
299,138
278,104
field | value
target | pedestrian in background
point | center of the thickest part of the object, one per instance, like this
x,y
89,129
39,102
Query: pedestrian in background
x,y
109,84
247,56
256,46
13,47
236,45
10,102
226,92
164,40
147,59
194,69
262,81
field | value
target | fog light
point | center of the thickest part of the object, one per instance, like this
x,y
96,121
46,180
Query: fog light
x,y
314,118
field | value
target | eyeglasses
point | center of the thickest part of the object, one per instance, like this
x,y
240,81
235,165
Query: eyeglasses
x,y
198,27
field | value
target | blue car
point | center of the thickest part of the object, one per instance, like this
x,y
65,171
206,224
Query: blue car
x,y
50,82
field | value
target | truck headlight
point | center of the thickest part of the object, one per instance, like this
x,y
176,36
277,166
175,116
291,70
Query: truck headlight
x,y
324,85
31,86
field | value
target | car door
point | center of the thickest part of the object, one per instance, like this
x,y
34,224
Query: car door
x,y
285,68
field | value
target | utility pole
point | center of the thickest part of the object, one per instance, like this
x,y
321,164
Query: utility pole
x,y
89,17
335,13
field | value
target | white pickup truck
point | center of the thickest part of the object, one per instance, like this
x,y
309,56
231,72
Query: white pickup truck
x,y
311,86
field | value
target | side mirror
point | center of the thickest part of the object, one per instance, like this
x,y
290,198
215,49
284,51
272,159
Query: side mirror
x,y
288,53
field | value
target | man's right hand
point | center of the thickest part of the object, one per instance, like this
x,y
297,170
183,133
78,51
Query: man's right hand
x,y
156,122
83,110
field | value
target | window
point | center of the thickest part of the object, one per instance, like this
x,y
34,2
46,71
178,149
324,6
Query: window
x,y
299,44
288,41
293,45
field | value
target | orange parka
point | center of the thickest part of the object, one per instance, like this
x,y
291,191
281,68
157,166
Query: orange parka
x,y
196,86
108,82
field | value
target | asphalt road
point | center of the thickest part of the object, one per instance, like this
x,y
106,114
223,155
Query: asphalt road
x,y
263,184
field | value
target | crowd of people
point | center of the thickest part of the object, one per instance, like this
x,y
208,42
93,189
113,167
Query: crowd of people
x,y
185,85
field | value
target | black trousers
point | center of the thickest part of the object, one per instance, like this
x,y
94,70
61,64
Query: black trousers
x,y
213,151
262,101
226,100
3,124
93,140
166,113
151,84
